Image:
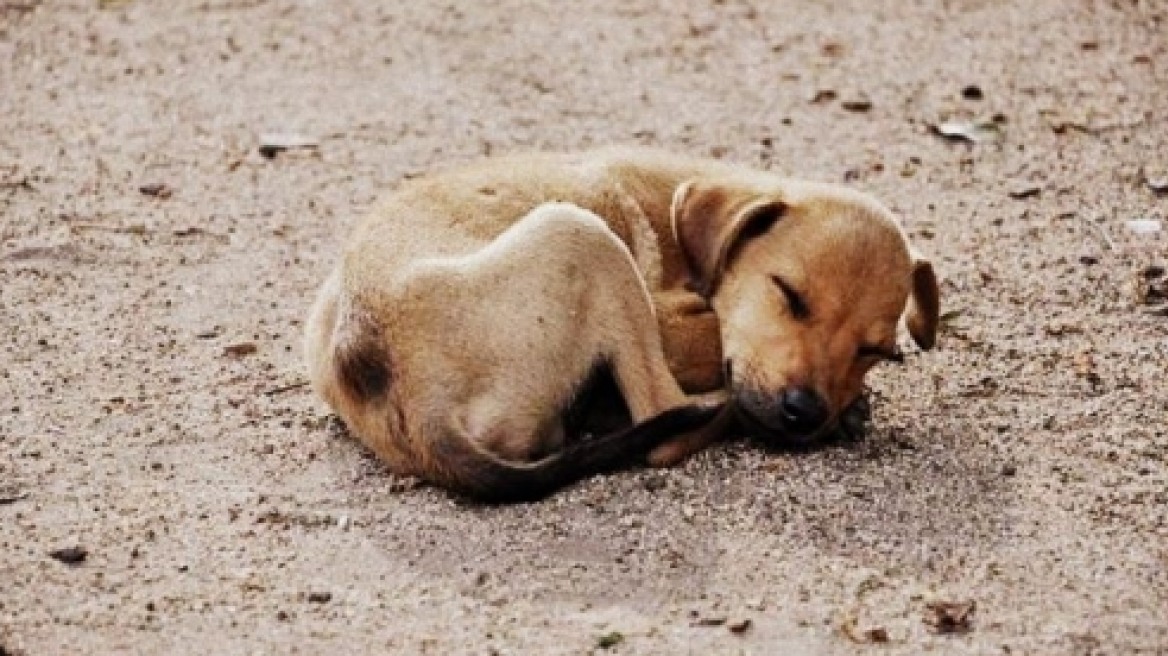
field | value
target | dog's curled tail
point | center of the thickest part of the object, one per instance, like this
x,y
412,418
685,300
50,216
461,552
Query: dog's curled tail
x,y
483,476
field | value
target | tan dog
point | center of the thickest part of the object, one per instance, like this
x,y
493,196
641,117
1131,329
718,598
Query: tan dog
x,y
475,311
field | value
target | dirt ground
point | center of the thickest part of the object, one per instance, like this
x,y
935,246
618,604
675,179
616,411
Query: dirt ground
x,y
152,403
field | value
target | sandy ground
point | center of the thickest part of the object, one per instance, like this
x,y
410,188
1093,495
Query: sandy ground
x,y
1019,473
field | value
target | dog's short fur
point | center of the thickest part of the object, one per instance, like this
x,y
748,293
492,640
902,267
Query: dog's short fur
x,y
473,309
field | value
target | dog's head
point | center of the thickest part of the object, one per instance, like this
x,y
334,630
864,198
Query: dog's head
x,y
809,282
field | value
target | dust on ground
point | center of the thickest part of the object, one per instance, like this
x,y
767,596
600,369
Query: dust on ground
x,y
169,485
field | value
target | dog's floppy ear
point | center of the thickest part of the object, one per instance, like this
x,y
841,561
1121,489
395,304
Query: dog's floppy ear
x,y
924,303
710,220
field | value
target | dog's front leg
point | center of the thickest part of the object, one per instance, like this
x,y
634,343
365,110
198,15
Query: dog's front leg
x,y
683,446
621,326
691,339
691,342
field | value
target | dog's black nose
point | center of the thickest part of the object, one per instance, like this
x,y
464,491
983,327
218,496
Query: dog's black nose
x,y
803,410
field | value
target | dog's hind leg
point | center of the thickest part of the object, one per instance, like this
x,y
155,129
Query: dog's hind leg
x,y
615,313
547,302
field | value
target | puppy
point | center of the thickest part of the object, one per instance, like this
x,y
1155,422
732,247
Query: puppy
x,y
476,312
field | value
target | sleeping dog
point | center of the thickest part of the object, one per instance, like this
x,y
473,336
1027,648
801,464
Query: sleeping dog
x,y
474,311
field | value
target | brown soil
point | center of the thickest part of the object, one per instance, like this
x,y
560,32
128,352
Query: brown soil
x,y
1012,497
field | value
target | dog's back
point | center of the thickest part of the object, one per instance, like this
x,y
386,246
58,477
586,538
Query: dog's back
x,y
454,347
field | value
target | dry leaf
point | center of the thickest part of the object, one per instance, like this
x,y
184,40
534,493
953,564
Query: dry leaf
x,y
858,103
156,190
241,349
1024,190
275,143
969,131
950,320
950,617
739,626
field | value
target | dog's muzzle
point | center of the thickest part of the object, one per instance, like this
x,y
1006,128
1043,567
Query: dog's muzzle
x,y
797,415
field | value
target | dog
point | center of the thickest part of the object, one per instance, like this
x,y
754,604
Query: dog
x,y
477,314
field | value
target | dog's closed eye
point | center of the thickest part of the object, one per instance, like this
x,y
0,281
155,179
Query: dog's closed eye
x,y
893,354
795,301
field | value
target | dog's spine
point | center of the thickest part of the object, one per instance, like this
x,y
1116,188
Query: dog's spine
x,y
476,473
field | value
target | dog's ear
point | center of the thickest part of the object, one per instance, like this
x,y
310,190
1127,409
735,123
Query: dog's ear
x,y
924,304
710,221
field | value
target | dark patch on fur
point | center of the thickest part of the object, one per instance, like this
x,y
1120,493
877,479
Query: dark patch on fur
x,y
363,367
598,406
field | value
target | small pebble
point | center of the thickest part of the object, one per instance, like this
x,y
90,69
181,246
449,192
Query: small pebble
x,y
1144,226
70,555
1157,181
654,483
823,96
610,640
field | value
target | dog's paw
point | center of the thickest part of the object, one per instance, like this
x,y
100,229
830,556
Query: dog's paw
x,y
667,455
855,420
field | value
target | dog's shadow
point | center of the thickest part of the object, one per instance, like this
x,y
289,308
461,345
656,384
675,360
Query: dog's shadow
x,y
901,494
